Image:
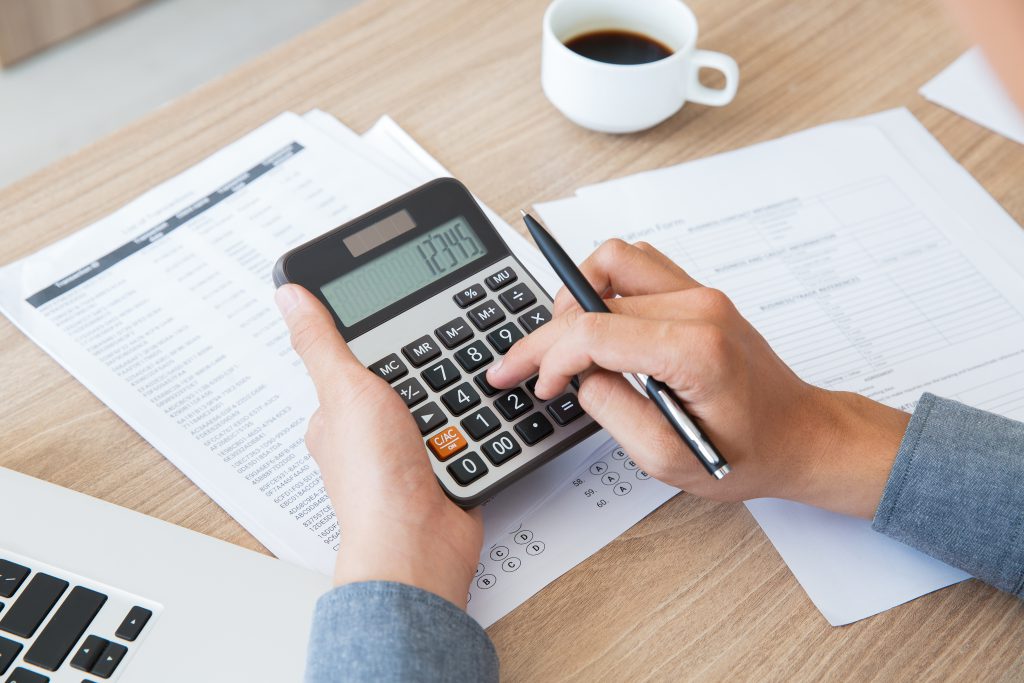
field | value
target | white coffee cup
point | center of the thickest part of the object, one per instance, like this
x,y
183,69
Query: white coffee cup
x,y
617,98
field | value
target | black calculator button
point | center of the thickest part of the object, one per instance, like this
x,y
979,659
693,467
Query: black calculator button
x,y
485,386
535,318
474,356
531,385
503,277
411,391
429,417
517,298
488,314
461,398
504,337
467,469
469,295
565,409
454,332
421,351
501,448
441,375
513,404
481,423
534,428
389,368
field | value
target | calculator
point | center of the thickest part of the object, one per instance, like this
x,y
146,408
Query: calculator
x,y
428,296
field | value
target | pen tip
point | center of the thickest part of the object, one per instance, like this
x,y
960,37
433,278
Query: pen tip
x,y
522,212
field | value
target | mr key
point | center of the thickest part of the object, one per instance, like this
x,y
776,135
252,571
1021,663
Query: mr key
x,y
427,293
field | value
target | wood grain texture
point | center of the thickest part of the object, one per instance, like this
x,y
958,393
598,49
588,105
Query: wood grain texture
x,y
28,26
665,601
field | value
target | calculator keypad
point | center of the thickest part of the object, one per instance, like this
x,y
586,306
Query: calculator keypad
x,y
475,434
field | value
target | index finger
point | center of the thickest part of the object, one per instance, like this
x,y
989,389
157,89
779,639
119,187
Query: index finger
x,y
617,267
328,359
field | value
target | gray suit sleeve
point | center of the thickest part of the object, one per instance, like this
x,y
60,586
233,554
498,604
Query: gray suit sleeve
x,y
956,491
385,631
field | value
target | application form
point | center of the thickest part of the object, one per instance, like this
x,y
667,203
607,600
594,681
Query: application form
x,y
862,277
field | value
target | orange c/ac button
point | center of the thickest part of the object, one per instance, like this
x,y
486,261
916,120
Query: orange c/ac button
x,y
447,442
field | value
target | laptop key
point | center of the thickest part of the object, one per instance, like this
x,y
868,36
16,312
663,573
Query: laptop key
x,y
88,653
68,624
22,675
32,606
8,653
11,577
109,659
133,624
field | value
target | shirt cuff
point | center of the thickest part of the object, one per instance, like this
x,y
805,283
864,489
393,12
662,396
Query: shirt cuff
x,y
387,631
955,491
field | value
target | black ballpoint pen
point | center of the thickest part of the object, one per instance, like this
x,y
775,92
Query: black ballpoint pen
x,y
591,301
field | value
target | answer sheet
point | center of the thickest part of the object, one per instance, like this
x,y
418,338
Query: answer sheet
x,y
862,277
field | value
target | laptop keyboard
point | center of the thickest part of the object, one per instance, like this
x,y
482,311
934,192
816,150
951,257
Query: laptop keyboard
x,y
55,626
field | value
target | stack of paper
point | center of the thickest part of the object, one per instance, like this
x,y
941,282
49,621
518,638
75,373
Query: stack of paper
x,y
836,242
872,263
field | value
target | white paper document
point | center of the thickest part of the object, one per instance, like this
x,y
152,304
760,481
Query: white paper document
x,y
165,311
969,87
865,274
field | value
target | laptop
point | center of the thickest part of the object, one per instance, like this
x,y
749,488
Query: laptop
x,y
90,591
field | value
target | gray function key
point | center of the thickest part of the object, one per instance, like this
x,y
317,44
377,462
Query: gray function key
x,y
517,298
421,351
429,417
503,277
411,391
535,318
469,295
565,409
454,332
389,368
488,314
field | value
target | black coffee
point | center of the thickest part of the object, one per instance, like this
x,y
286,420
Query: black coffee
x,y
618,47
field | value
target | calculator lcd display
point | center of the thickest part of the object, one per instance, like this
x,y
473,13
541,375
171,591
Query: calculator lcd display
x,y
402,271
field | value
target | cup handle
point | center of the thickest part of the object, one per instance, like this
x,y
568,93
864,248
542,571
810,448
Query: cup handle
x,y
713,97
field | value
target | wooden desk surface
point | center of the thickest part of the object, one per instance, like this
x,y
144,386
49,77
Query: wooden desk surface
x,y
462,77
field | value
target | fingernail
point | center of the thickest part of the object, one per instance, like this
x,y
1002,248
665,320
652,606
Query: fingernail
x,y
286,299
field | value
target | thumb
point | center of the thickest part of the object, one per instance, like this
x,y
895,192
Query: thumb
x,y
316,339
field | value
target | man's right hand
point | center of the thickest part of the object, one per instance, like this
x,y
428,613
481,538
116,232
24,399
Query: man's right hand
x,y
782,437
